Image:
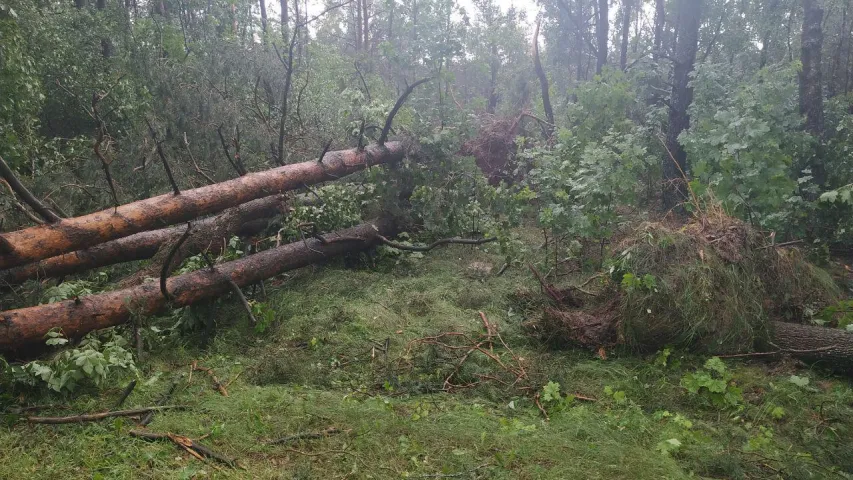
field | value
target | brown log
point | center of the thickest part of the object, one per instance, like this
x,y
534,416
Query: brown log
x,y
18,328
45,241
144,245
831,347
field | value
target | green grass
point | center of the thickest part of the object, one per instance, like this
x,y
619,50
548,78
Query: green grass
x,y
321,365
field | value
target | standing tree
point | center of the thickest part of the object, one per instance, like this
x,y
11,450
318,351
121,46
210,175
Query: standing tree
x,y
626,32
811,84
675,164
602,30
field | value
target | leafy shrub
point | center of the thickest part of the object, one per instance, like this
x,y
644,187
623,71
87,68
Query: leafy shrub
x,y
98,355
714,384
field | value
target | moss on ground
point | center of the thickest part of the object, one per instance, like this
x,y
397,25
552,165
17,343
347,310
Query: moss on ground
x,y
323,363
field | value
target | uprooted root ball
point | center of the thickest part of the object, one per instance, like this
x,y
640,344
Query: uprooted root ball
x,y
712,285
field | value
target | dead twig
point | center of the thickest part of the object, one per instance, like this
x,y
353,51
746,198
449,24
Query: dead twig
x,y
437,243
94,417
216,383
162,156
164,272
189,445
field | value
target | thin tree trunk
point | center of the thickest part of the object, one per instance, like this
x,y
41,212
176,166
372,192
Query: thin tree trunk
x,y
264,19
365,18
77,317
494,64
626,32
811,83
660,19
285,23
602,30
44,241
832,84
543,84
358,30
675,166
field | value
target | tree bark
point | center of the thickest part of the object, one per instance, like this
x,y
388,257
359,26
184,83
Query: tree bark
x,y
494,64
264,20
660,19
44,241
626,32
602,30
830,346
543,83
675,165
365,18
26,326
243,220
811,83
285,20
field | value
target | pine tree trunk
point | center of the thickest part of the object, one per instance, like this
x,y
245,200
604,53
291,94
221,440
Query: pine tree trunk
x,y
45,241
242,220
27,326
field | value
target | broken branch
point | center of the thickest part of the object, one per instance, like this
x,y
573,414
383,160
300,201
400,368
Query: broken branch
x,y
93,417
30,199
400,101
437,243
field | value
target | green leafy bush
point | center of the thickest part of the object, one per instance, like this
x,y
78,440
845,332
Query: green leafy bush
x,y
98,356
714,384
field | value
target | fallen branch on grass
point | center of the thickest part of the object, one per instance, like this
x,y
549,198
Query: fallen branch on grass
x,y
192,447
219,386
437,243
94,417
126,393
305,436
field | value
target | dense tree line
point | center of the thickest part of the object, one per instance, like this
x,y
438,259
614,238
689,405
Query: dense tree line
x,y
603,103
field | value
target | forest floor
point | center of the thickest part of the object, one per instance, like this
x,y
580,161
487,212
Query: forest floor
x,y
323,363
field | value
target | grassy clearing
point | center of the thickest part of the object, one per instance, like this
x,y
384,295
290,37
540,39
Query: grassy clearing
x,y
322,364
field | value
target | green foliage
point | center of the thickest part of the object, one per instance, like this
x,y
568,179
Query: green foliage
x,y
74,289
839,314
714,384
743,142
97,359
336,206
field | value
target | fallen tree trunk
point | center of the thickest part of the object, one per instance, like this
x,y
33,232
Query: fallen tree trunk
x,y
20,328
45,241
140,246
832,347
